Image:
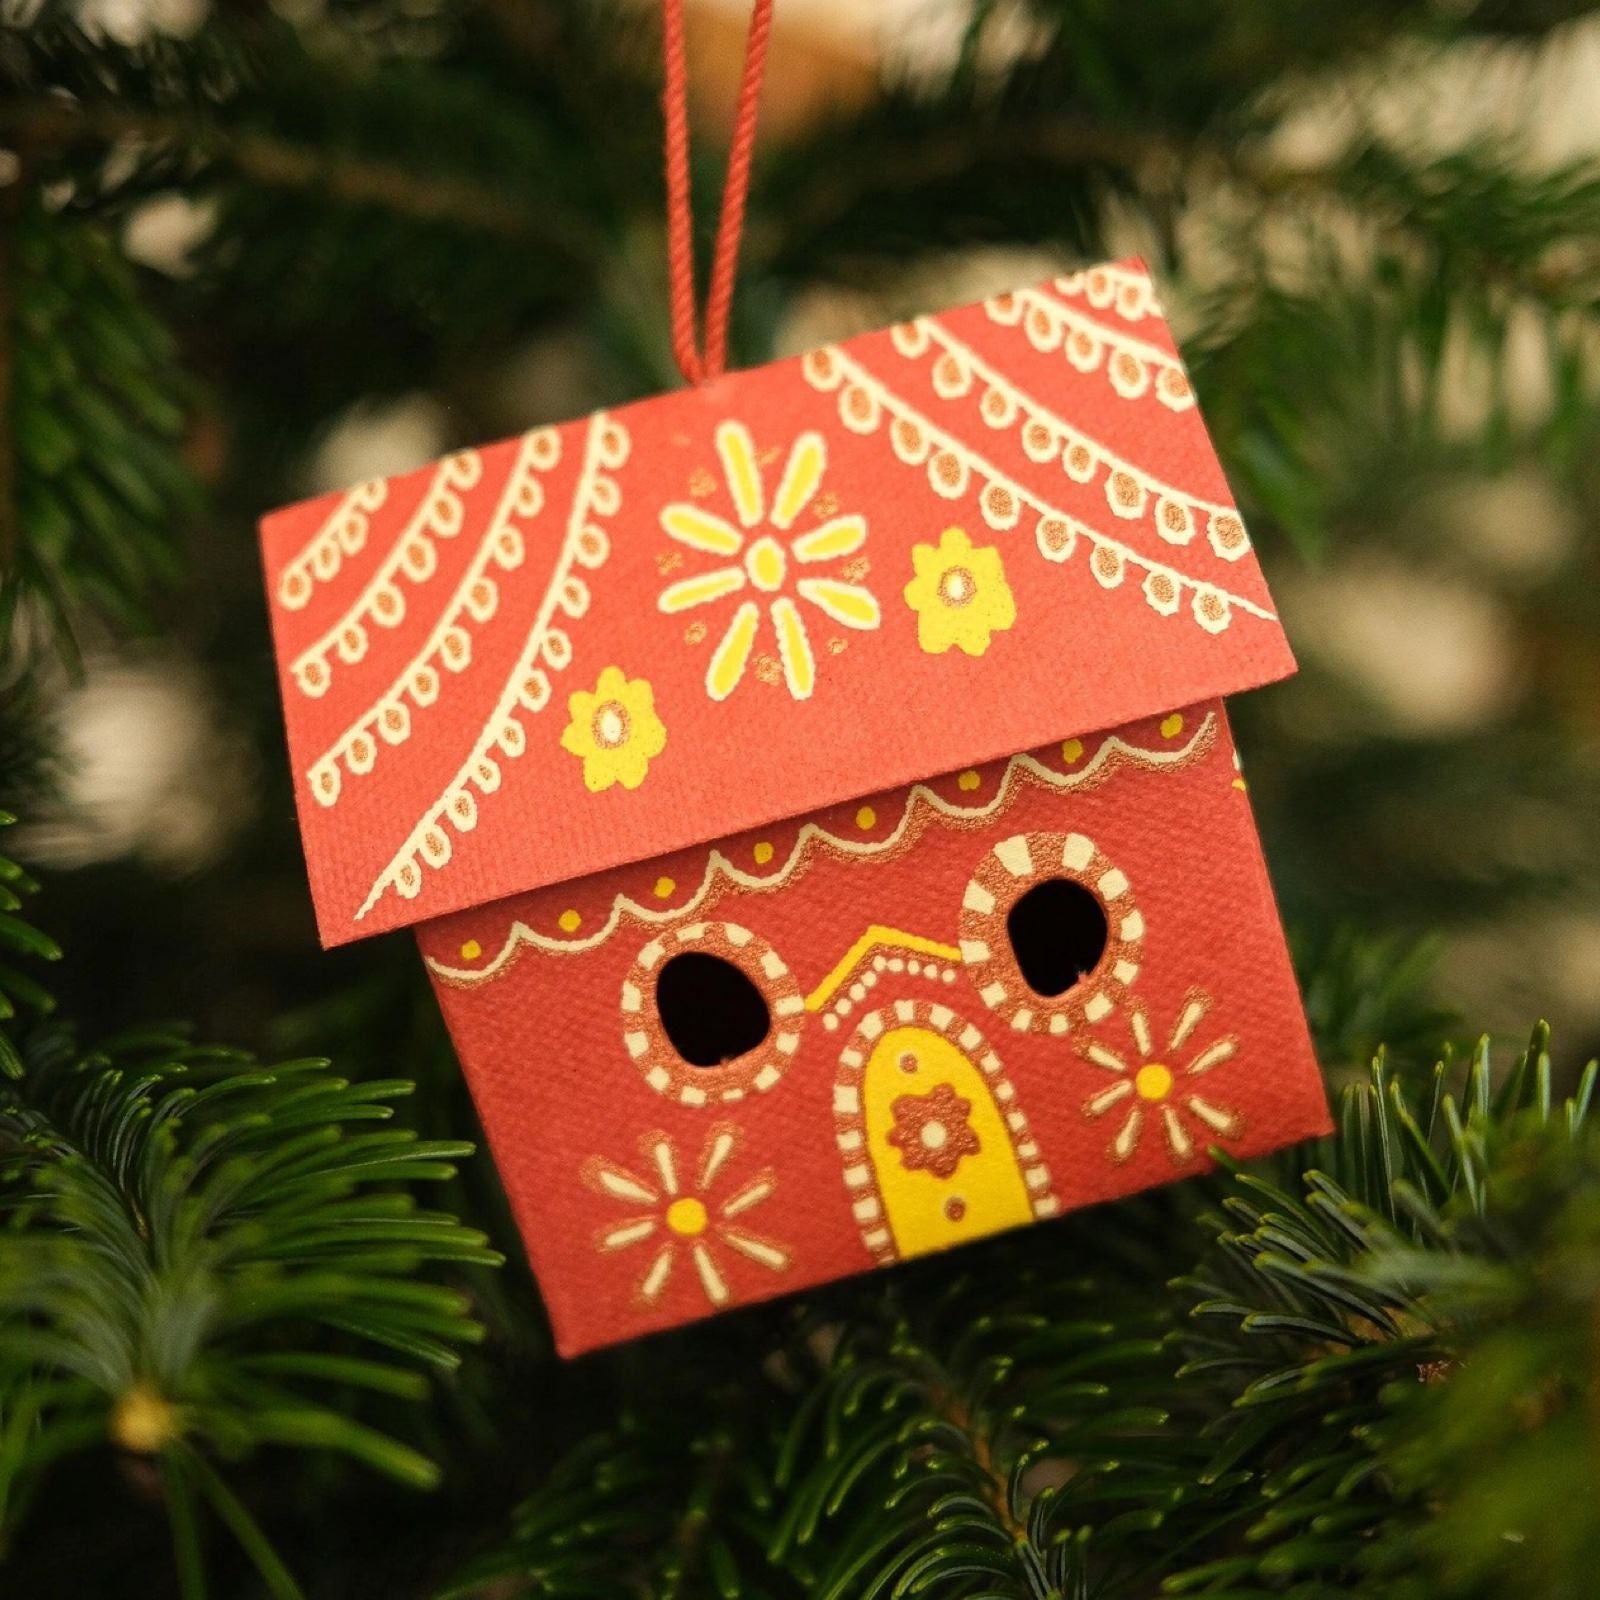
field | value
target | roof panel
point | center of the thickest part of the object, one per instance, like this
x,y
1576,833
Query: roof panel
x,y
916,551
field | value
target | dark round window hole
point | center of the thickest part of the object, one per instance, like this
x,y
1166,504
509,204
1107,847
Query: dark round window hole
x,y
1058,934
711,1010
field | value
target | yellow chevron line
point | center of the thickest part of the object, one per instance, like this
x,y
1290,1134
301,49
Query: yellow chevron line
x,y
875,936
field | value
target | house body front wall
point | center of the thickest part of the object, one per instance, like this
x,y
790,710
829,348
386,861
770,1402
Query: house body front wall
x,y
913,1090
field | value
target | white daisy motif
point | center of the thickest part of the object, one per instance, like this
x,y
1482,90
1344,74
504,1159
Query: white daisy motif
x,y
763,554
686,1217
1155,1086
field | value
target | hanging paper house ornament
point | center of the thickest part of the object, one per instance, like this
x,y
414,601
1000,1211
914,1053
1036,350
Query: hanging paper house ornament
x,y
814,799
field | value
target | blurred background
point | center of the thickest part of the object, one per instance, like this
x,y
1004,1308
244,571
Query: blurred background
x,y
252,250
364,232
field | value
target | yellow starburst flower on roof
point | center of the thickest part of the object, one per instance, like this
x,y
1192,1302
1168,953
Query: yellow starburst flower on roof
x,y
762,554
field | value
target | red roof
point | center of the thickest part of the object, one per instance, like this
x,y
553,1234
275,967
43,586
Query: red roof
x,y
916,551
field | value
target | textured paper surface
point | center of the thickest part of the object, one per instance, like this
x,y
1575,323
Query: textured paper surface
x,y
853,619
650,1192
739,586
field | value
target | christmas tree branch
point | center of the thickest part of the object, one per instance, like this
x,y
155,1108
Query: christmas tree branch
x,y
663,1505
808,195
259,158
20,941
981,1434
194,1247
1361,1369
11,198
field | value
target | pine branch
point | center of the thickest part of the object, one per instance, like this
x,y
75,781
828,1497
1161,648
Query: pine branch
x,y
654,1507
205,1257
1385,1389
1034,153
1499,1445
20,941
201,142
99,488
11,203
1019,1433
1322,1336
956,1439
1272,1456
1367,995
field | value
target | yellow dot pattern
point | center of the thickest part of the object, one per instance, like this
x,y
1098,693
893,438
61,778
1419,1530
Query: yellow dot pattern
x,y
569,921
968,780
664,888
471,950
866,818
762,853
1072,751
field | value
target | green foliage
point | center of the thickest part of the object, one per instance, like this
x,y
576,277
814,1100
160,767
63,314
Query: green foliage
x,y
1500,1447
204,1257
656,1507
1361,1370
1367,995
94,491
20,942
1303,1409
1322,1353
994,1418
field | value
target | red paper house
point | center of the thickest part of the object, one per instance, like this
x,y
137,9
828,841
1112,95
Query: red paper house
x,y
814,799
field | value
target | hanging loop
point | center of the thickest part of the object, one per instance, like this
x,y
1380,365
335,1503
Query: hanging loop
x,y
695,365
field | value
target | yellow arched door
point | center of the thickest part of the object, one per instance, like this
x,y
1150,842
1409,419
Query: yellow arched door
x,y
939,1148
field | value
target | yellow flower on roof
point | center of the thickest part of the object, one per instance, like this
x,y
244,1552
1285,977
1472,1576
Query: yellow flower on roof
x,y
762,553
959,593
614,730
